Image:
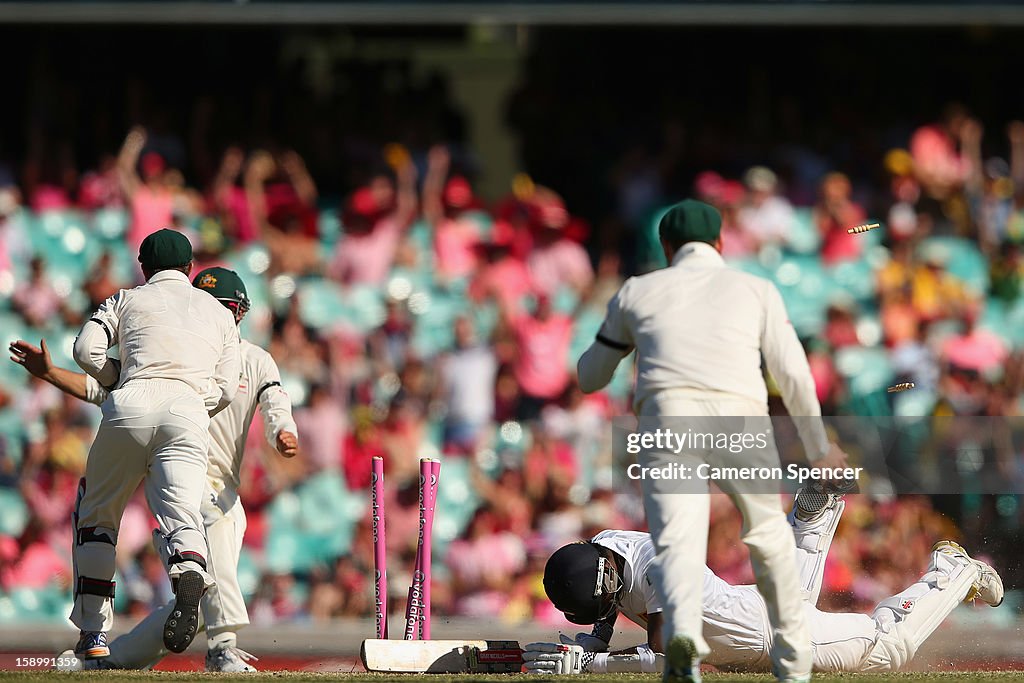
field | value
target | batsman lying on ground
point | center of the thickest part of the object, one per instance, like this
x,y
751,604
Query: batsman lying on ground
x,y
223,610
593,581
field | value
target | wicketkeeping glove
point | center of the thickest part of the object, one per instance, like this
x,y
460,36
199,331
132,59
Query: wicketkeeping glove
x,y
554,658
587,641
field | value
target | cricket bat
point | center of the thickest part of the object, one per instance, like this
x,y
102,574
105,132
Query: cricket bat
x,y
441,656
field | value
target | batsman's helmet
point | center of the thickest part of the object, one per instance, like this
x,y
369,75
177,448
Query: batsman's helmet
x,y
582,582
225,286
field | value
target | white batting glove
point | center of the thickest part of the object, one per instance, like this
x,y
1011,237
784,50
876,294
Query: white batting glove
x,y
554,658
588,641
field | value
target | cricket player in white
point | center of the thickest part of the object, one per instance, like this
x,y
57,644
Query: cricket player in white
x,y
735,617
178,365
223,606
700,330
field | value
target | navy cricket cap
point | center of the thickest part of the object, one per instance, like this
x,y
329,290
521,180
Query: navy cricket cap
x,y
690,221
581,582
165,249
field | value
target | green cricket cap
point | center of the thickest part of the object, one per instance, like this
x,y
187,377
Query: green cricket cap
x,y
690,221
222,283
165,249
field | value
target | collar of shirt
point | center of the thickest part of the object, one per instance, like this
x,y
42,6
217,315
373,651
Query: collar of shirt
x,y
170,275
698,255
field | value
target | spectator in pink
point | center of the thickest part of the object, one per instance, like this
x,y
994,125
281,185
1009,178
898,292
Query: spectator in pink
x,y
556,260
939,163
323,422
233,201
834,214
975,349
14,245
374,220
151,201
36,300
541,367
502,276
447,206
735,242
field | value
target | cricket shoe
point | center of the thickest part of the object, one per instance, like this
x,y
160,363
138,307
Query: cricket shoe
x,y
681,663
813,500
989,586
183,622
91,645
231,660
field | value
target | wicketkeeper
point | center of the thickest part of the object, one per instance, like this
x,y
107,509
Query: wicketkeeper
x,y
594,581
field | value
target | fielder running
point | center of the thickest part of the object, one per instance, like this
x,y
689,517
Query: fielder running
x,y
735,617
700,330
178,365
223,607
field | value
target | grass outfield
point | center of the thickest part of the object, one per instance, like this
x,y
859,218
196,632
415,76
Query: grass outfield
x,y
301,677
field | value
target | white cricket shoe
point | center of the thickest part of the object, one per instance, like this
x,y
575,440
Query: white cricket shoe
x,y
989,586
230,660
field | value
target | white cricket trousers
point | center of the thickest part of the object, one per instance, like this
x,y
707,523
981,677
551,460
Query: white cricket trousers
x,y
155,432
223,606
678,524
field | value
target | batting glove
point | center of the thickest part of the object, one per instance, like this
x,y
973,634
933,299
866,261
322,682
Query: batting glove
x,y
587,641
554,658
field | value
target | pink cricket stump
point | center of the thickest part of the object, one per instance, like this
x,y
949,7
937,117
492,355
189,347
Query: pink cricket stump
x,y
415,606
435,477
380,558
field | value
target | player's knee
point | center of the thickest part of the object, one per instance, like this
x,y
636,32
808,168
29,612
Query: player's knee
x,y
892,651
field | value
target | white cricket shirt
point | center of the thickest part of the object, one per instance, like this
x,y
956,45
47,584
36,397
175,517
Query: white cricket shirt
x,y
703,328
164,329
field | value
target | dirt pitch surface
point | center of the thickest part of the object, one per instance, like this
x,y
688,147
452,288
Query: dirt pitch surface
x,y
303,677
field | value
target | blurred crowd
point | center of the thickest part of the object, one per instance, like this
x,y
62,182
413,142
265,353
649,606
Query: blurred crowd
x,y
413,318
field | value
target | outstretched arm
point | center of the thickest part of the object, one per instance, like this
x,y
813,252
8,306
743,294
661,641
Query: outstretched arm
x,y
438,162
37,361
299,176
127,160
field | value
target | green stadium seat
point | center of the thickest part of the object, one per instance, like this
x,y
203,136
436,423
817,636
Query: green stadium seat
x,y
457,501
804,237
313,524
963,260
329,227
110,225
857,278
867,370
13,513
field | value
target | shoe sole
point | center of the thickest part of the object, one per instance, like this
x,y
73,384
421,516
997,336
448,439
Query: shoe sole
x,y
183,623
680,655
